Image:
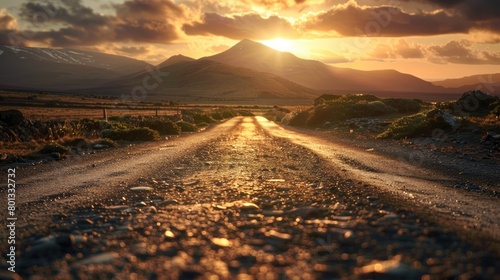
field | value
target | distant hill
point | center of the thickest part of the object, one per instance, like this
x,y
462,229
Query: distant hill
x,y
60,69
469,80
487,83
317,75
202,78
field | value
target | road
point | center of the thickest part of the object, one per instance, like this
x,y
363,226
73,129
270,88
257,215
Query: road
x,y
249,199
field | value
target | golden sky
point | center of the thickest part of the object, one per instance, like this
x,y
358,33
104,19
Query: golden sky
x,y
432,39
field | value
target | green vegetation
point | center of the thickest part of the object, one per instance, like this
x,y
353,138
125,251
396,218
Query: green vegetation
x,y
162,126
406,126
338,108
187,127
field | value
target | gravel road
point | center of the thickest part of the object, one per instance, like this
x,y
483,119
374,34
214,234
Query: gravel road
x,y
245,200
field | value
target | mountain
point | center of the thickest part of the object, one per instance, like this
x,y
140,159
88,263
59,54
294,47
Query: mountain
x,y
60,69
472,82
210,79
317,75
175,59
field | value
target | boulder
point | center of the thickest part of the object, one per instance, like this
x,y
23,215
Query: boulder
x,y
11,117
476,102
441,119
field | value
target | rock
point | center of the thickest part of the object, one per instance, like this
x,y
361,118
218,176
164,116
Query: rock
x,y
278,235
491,137
221,242
476,102
308,212
100,146
11,117
103,258
143,189
249,207
56,155
442,119
191,183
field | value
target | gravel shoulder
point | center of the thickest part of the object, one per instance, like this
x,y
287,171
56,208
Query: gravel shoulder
x,y
243,204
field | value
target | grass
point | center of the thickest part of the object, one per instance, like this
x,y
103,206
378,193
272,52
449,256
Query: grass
x,y
338,108
405,126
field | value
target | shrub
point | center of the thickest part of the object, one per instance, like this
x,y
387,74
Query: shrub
x,y
299,118
187,127
329,112
133,134
202,118
53,148
406,126
370,109
163,126
404,105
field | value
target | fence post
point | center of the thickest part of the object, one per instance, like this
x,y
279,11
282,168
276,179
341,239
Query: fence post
x,y
105,114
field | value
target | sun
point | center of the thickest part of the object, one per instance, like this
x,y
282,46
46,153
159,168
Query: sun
x,y
278,44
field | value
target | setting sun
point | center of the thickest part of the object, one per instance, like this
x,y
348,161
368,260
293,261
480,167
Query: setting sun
x,y
278,44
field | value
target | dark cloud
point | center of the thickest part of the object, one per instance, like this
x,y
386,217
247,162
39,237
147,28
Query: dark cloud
x,y
472,9
71,24
8,30
251,26
354,20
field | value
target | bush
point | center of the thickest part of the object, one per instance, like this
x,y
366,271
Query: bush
x,y
299,119
370,109
187,127
404,105
329,112
133,134
202,118
53,148
406,126
163,126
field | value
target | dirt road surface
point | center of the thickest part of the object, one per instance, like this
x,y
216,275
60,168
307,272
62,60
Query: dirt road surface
x,y
248,199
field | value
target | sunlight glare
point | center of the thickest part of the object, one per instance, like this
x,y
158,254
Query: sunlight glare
x,y
278,44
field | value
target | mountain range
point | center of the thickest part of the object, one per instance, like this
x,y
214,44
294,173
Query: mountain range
x,y
248,70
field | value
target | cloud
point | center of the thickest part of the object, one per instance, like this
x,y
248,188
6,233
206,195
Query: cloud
x,y
68,23
8,27
351,19
461,52
251,26
132,50
457,52
406,50
7,21
472,9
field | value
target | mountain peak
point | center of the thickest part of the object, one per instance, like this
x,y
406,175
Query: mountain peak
x,y
249,45
176,59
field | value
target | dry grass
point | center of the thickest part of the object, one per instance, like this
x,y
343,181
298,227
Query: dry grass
x,y
488,123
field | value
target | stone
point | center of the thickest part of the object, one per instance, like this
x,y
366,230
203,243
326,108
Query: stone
x,y
11,117
221,242
145,189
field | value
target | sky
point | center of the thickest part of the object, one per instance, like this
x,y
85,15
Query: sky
x,y
431,39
